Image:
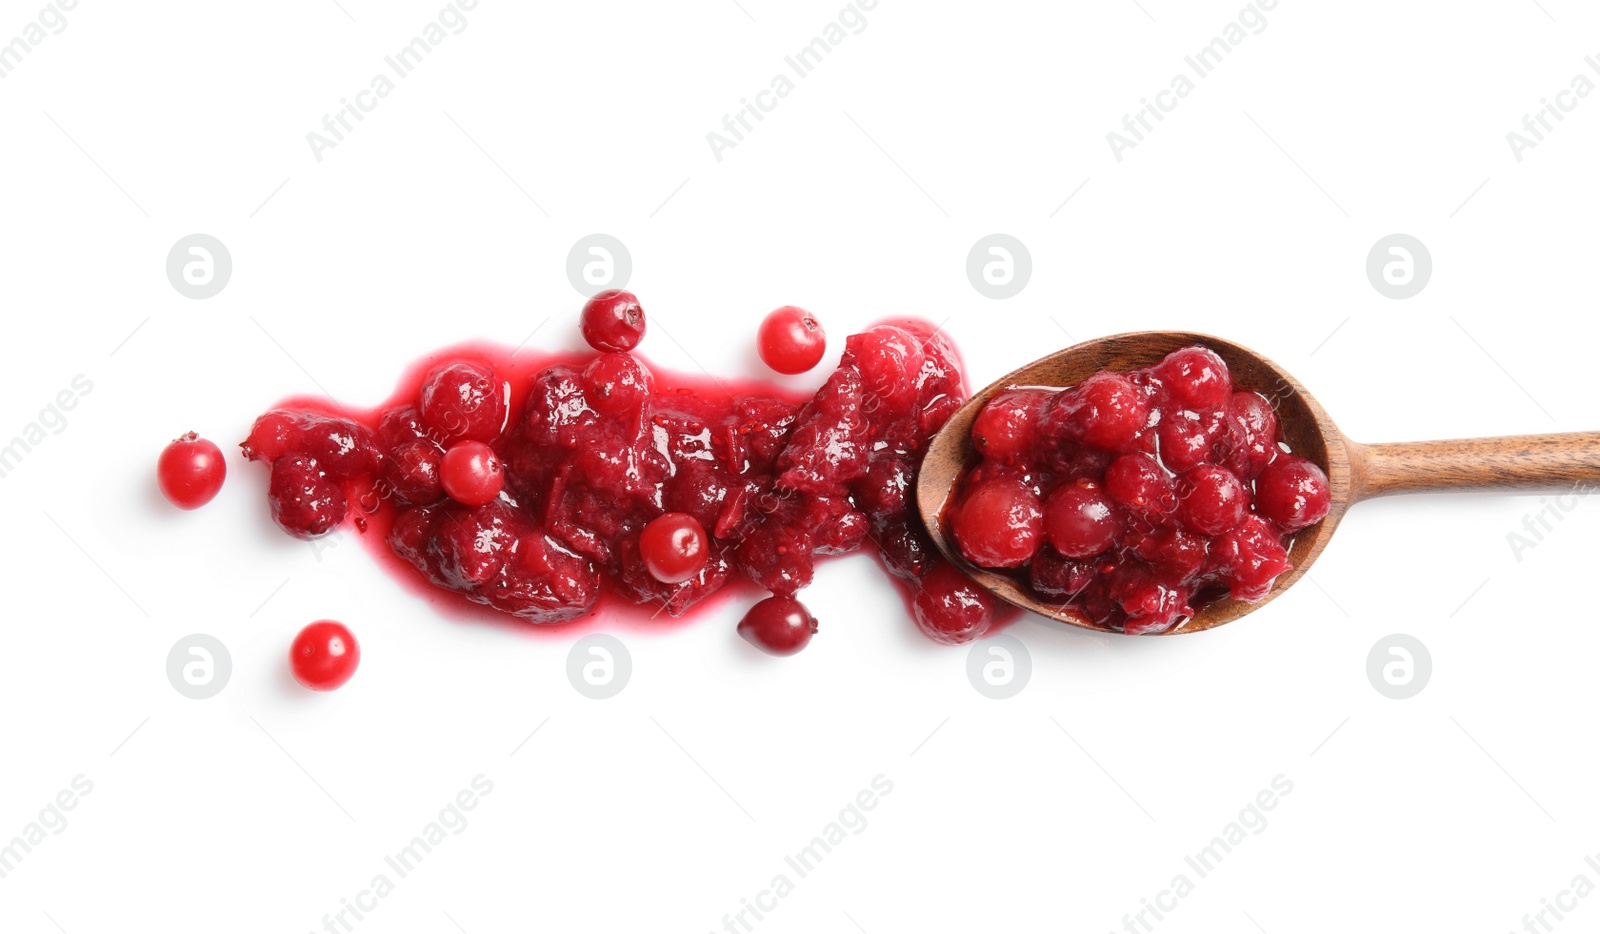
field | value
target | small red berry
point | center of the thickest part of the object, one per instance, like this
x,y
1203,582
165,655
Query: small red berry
x,y
778,626
1293,492
674,547
950,608
471,473
190,471
612,321
324,655
791,341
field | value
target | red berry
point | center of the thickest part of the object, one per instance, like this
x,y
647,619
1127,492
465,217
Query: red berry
x,y
471,473
889,359
1000,524
1211,500
1251,440
617,384
411,472
674,547
1107,410
790,340
1138,484
1080,521
305,502
778,626
1003,430
612,321
273,435
1250,558
1293,492
324,655
1196,377
463,401
950,608
190,471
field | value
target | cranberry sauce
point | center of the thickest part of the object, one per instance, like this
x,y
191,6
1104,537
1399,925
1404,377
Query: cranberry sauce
x,y
1133,497
524,482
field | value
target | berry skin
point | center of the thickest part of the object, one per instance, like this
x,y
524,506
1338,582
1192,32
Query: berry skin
x,y
471,473
778,626
1211,500
190,471
612,321
304,501
1000,524
1196,377
462,401
1107,410
324,655
411,472
1138,484
1293,492
674,547
273,435
950,608
1003,430
790,340
1080,521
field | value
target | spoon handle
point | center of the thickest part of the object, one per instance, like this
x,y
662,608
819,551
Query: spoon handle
x,y
1560,462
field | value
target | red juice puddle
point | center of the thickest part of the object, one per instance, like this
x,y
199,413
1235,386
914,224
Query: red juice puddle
x,y
595,445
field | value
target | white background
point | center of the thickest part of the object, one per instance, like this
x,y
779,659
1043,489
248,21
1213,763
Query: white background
x,y
1248,213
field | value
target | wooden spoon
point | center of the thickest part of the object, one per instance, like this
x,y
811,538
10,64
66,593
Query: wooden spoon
x,y
1554,462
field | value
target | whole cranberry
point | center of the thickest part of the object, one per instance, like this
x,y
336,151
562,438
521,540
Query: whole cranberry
x,y
190,471
778,626
674,547
1003,430
950,608
1196,377
412,472
1000,524
1189,438
305,502
324,655
471,473
343,448
612,321
1106,410
1211,500
1079,520
399,425
1251,440
1152,605
1293,492
790,340
1138,484
463,401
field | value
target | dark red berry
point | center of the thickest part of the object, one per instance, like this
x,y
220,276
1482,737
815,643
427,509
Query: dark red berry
x,y
190,471
950,608
1080,521
1211,500
1196,377
1293,492
778,626
463,401
1000,524
305,502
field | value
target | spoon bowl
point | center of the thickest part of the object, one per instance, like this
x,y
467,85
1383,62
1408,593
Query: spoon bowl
x,y
1356,472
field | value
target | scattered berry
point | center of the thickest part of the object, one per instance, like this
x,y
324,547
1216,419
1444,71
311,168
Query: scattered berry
x,y
790,340
190,471
950,608
612,321
324,655
778,626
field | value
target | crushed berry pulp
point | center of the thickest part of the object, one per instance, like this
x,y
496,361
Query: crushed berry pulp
x,y
1135,498
587,449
